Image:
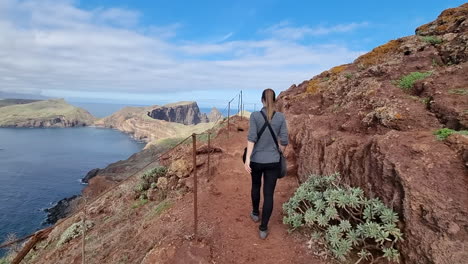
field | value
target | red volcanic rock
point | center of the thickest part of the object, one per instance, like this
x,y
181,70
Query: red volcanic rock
x,y
356,120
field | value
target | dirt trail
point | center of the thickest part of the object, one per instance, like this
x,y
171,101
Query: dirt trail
x,y
227,233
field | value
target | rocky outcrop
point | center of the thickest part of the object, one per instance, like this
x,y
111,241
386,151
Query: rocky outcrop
x,y
138,122
215,115
356,119
91,174
186,113
62,209
47,113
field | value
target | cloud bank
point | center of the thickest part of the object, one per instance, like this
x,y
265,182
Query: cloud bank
x,y
54,47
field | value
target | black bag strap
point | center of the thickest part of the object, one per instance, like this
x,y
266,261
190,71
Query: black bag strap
x,y
259,134
271,131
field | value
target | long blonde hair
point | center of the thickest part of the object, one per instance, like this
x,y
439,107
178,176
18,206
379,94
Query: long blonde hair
x,y
269,99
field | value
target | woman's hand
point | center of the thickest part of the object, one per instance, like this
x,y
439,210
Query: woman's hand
x,y
247,166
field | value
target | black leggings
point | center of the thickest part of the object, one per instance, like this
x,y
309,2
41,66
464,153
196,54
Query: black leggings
x,y
270,173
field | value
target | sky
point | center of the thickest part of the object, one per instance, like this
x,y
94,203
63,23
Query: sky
x,y
155,52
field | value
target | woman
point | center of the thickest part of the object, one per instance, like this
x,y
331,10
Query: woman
x,y
263,157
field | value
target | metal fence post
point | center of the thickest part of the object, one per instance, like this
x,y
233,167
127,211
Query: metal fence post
x,y
241,108
195,208
229,115
209,153
83,240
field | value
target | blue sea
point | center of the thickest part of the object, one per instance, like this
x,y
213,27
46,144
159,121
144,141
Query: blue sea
x,y
40,166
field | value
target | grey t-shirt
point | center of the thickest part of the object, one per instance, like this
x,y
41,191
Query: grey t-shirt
x,y
265,150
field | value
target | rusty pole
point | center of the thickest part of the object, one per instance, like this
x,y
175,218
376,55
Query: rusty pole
x,y
229,115
209,154
39,235
195,207
83,240
241,108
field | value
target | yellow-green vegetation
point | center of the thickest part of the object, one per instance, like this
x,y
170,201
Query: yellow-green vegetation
x,y
344,220
139,203
445,19
407,82
313,86
167,143
349,75
73,231
4,260
161,207
444,133
377,55
461,91
13,115
337,69
7,102
431,40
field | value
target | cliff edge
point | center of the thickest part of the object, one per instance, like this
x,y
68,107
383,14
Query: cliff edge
x,y
186,113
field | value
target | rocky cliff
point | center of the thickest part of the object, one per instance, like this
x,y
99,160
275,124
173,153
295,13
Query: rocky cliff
x,y
373,121
47,113
215,115
138,122
186,113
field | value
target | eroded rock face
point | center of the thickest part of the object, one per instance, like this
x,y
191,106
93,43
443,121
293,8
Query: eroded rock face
x,y
354,119
215,115
186,113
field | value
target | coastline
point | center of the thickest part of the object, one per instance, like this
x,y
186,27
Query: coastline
x,y
98,179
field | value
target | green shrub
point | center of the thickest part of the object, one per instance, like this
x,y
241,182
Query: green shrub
x,y
154,173
431,40
344,219
407,82
444,133
4,261
349,75
149,180
74,231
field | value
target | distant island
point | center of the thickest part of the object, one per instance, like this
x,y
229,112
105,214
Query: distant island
x,y
42,113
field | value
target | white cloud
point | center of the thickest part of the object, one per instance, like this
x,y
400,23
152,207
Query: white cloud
x,y
285,30
56,47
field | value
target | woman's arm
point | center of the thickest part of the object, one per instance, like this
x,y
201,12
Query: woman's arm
x,y
250,146
251,139
284,137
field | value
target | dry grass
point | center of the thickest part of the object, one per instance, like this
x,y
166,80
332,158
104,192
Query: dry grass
x,y
337,69
377,55
313,86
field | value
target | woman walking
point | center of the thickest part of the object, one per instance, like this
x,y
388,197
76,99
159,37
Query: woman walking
x,y
263,157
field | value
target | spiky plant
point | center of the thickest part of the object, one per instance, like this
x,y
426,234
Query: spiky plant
x,y
348,222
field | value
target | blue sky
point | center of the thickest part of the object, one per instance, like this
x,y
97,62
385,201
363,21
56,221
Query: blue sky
x,y
154,52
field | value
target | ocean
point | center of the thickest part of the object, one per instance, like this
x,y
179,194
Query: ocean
x,y
40,166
